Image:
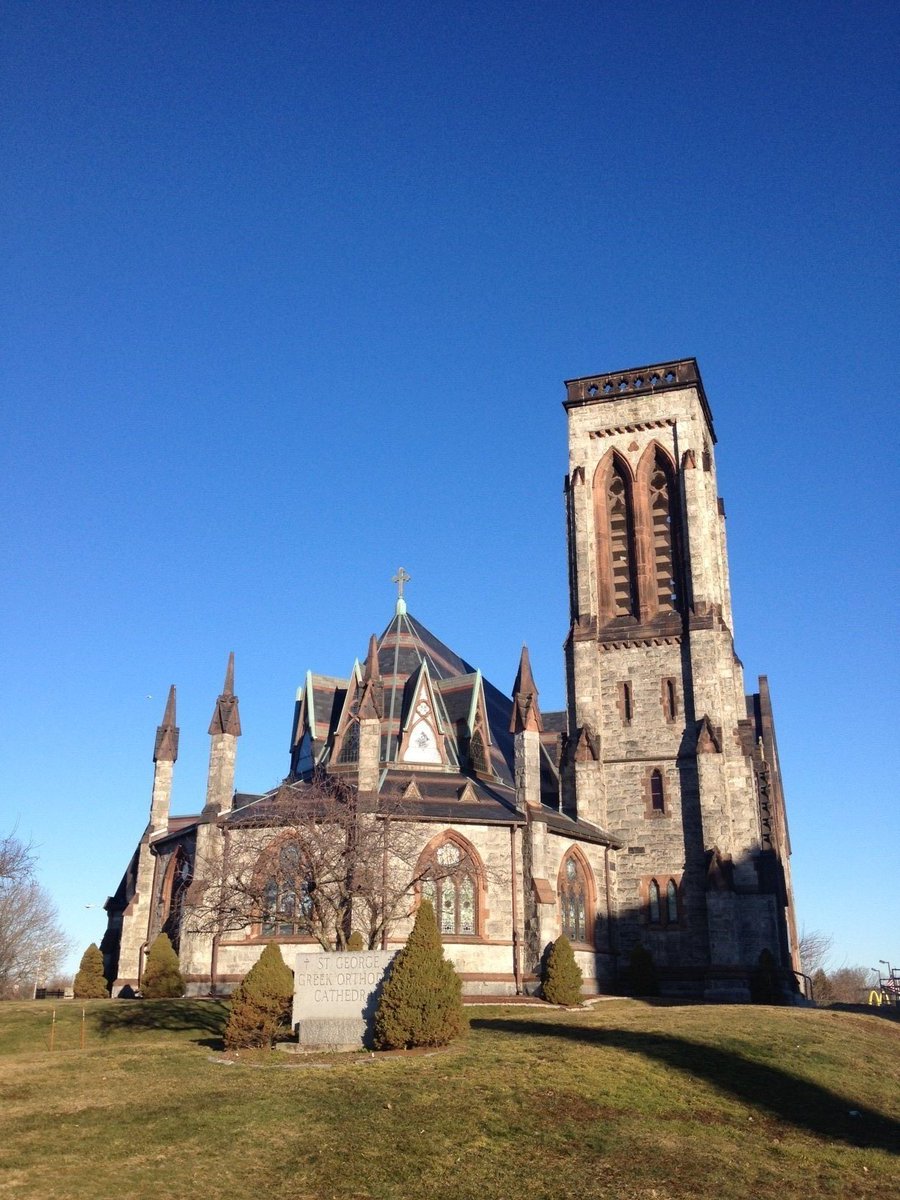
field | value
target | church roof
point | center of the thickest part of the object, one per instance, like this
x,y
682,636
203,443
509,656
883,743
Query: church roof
x,y
406,649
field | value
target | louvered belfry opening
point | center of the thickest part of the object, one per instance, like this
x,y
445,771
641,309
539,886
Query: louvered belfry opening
x,y
662,515
621,545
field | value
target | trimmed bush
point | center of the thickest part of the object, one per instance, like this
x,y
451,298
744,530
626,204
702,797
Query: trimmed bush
x,y
261,1004
421,1001
642,977
162,978
355,941
562,978
90,982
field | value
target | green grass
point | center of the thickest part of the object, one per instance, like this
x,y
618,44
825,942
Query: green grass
x,y
626,1100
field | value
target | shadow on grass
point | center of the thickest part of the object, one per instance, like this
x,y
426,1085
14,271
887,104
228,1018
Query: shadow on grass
x,y
172,1016
771,1089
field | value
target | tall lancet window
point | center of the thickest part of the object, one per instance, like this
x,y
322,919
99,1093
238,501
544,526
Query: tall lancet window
x,y
663,516
621,544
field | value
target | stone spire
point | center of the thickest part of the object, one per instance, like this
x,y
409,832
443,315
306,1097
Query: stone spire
x,y
165,752
371,696
370,710
166,748
226,718
224,730
526,714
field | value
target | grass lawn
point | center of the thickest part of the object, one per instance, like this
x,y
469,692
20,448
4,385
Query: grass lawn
x,y
624,1100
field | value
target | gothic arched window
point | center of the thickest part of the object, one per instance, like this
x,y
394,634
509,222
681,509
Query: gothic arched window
x,y
286,893
621,543
653,903
450,882
349,752
574,899
657,795
178,880
477,754
662,513
671,902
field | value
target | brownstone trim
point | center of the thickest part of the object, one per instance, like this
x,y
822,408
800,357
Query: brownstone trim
x,y
669,698
606,603
649,809
655,455
590,893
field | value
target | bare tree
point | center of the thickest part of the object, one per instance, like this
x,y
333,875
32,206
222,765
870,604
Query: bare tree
x,y
310,859
32,943
815,948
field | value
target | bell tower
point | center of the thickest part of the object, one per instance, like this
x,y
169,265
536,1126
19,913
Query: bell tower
x,y
659,750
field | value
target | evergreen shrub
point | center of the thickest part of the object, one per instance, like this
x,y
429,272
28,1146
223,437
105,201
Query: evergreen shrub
x,y
355,941
261,1004
562,979
642,977
90,982
162,978
421,1000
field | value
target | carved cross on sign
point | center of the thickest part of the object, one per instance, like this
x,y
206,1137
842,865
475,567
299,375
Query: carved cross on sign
x,y
400,578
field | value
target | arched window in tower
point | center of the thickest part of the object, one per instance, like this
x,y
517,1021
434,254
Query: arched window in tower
x,y
287,890
671,903
621,544
662,514
450,882
657,794
653,902
574,906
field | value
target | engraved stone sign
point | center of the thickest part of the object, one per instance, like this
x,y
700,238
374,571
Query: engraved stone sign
x,y
335,996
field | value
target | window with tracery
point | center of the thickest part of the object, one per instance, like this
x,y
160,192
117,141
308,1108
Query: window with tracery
x,y
573,900
287,895
179,880
450,882
621,544
350,744
663,518
477,753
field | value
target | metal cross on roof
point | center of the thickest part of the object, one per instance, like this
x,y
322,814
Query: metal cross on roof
x,y
400,578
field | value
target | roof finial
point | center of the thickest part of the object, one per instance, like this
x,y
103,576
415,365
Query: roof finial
x,y
400,578
226,718
526,714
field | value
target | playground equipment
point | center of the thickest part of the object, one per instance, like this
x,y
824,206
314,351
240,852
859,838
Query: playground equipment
x,y
888,989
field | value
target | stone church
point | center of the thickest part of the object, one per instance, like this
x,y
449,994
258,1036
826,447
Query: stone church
x,y
649,811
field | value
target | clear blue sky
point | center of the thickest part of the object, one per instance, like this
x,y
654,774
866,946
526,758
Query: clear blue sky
x,y
289,293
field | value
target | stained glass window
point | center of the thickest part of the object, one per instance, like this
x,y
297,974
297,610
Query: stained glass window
x,y
672,902
350,744
450,885
477,755
573,903
653,901
179,882
287,896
